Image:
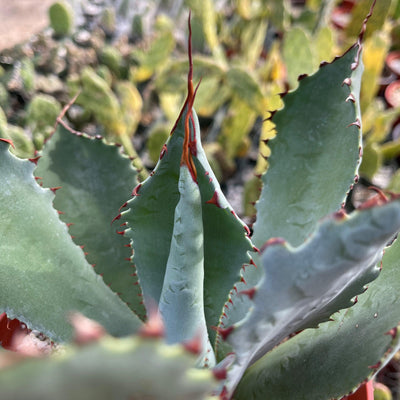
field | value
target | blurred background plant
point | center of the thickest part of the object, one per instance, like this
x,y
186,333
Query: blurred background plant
x,y
126,61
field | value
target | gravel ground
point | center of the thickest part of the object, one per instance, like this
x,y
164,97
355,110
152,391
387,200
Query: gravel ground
x,y
20,19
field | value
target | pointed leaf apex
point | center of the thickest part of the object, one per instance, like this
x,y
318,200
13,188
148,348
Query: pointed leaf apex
x,y
154,327
249,292
189,141
214,200
375,366
86,330
194,346
220,373
392,332
135,191
34,160
9,141
224,332
54,189
115,218
364,27
340,215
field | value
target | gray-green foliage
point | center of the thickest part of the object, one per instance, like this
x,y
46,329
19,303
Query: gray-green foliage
x,y
172,242
81,373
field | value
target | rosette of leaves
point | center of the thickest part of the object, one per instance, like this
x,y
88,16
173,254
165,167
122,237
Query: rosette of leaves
x,y
264,313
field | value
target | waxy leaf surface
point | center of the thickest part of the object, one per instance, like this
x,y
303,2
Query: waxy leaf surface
x,y
345,351
181,303
315,154
44,274
304,286
95,180
112,369
150,221
313,162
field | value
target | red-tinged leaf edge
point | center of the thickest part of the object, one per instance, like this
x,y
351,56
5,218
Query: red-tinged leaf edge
x,y
9,141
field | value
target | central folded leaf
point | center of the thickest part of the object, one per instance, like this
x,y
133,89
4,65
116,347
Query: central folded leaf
x,y
181,302
150,219
183,193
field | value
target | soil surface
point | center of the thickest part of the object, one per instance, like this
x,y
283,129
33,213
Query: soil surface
x,y
20,19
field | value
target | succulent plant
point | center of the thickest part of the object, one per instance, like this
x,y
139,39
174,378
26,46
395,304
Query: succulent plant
x,y
61,18
198,305
41,114
118,115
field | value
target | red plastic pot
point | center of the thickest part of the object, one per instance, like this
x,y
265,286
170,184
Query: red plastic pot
x,y
392,94
364,392
341,15
393,62
9,328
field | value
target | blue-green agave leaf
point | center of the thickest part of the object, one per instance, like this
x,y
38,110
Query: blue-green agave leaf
x,y
181,302
45,276
314,159
350,348
94,180
125,368
303,286
315,154
150,223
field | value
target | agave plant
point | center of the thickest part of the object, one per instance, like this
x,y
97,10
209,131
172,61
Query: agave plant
x,y
194,303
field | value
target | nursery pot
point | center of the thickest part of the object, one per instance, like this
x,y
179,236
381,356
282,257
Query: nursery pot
x,y
9,328
393,62
364,392
392,94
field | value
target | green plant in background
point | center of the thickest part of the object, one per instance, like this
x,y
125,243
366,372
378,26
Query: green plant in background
x,y
378,119
239,82
245,52
119,113
239,317
43,110
61,18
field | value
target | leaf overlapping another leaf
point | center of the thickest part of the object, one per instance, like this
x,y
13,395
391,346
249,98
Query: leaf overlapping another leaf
x,y
131,367
354,345
314,160
182,294
150,220
44,274
94,181
303,287
315,155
